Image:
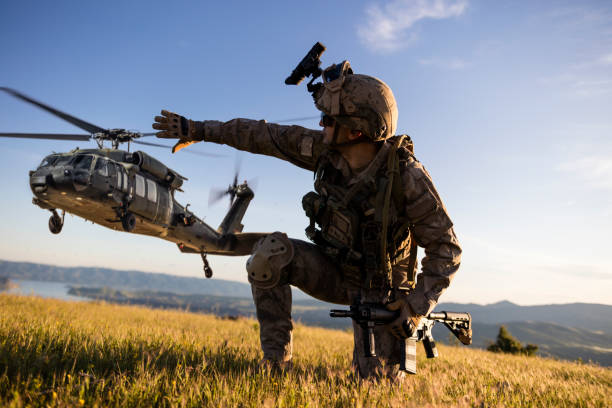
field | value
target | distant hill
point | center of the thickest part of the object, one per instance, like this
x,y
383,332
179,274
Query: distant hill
x,y
590,316
129,280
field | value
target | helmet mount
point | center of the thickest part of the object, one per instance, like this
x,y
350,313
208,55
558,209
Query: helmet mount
x,y
360,102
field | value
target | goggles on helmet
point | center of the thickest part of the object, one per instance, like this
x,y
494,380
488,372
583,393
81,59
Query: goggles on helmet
x,y
336,71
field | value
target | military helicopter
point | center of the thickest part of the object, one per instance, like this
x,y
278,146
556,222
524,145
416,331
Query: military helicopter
x,y
130,191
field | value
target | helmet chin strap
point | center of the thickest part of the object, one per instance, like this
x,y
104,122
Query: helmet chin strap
x,y
335,137
334,142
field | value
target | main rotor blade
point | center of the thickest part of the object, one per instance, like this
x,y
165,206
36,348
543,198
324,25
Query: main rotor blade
x,y
75,121
150,144
147,134
300,119
188,151
54,136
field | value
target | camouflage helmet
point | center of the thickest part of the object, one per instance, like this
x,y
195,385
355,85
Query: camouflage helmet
x,y
359,102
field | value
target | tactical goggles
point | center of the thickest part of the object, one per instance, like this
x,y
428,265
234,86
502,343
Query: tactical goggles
x,y
327,120
336,71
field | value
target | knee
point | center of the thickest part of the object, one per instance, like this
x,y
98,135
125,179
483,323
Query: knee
x,y
271,254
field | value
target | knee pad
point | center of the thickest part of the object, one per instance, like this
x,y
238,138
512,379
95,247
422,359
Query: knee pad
x,y
270,255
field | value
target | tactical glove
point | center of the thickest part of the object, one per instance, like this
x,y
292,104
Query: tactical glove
x,y
175,126
407,323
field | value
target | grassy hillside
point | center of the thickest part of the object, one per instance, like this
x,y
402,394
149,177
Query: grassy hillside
x,y
553,340
59,353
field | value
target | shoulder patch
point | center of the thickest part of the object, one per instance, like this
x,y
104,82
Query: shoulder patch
x,y
306,146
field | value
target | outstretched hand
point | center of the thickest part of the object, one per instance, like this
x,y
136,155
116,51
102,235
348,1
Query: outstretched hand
x,y
175,126
407,323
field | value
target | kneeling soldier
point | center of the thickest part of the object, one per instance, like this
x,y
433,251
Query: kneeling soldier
x,y
373,204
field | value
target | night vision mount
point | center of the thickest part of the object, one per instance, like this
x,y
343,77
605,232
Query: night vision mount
x,y
310,65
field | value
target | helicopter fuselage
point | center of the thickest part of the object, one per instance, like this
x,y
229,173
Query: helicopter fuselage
x,y
132,192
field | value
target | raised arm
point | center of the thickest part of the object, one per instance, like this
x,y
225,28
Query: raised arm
x,y
296,144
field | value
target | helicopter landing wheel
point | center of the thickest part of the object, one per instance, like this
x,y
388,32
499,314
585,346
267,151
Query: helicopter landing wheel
x,y
128,221
56,223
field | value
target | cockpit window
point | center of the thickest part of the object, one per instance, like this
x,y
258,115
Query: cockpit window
x,y
62,160
48,161
102,166
82,161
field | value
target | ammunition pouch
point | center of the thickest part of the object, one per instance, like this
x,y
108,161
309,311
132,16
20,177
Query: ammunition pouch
x,y
270,255
312,204
338,223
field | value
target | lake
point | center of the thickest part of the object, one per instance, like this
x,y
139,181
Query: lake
x,y
55,290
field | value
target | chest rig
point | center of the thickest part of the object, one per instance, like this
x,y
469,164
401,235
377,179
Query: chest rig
x,y
361,223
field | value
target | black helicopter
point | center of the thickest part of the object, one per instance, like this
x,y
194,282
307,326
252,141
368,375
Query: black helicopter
x,y
130,191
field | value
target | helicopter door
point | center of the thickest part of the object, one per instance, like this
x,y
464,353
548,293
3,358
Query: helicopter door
x,y
164,206
122,179
158,198
101,179
139,203
152,198
112,175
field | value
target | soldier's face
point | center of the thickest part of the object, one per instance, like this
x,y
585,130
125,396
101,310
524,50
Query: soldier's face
x,y
328,133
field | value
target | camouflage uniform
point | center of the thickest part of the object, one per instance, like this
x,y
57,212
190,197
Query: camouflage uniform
x,y
365,247
311,268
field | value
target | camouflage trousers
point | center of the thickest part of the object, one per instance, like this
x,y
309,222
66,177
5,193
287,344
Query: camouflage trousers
x,y
319,276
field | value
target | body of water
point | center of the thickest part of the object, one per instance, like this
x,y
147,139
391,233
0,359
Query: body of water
x,y
55,290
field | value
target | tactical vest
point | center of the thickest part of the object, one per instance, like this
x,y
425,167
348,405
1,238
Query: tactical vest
x,y
362,225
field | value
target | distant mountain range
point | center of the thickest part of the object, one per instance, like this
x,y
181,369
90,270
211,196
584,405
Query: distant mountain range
x,y
569,331
590,316
127,280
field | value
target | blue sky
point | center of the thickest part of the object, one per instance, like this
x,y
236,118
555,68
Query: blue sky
x,y
508,104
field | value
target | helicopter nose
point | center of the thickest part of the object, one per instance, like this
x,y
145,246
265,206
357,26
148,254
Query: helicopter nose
x,y
40,182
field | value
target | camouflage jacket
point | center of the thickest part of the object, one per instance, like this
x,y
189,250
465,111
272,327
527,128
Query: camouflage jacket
x,y
431,225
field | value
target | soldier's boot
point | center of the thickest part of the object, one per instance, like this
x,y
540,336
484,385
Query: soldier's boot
x,y
273,308
267,273
274,367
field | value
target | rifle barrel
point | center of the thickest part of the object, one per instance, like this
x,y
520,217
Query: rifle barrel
x,y
340,313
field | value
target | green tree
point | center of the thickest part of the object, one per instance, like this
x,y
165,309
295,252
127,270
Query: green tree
x,y
507,344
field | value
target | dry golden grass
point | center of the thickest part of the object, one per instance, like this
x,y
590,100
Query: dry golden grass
x,y
55,353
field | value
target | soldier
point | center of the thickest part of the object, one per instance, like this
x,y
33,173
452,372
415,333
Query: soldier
x,y
373,203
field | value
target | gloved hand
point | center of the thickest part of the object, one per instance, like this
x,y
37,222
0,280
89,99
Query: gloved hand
x,y
406,324
175,126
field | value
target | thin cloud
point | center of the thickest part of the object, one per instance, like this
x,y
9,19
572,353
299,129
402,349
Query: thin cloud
x,y
452,63
534,261
388,26
593,171
583,80
606,59
589,74
581,271
592,87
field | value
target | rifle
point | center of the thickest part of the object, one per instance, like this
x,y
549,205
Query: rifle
x,y
369,315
